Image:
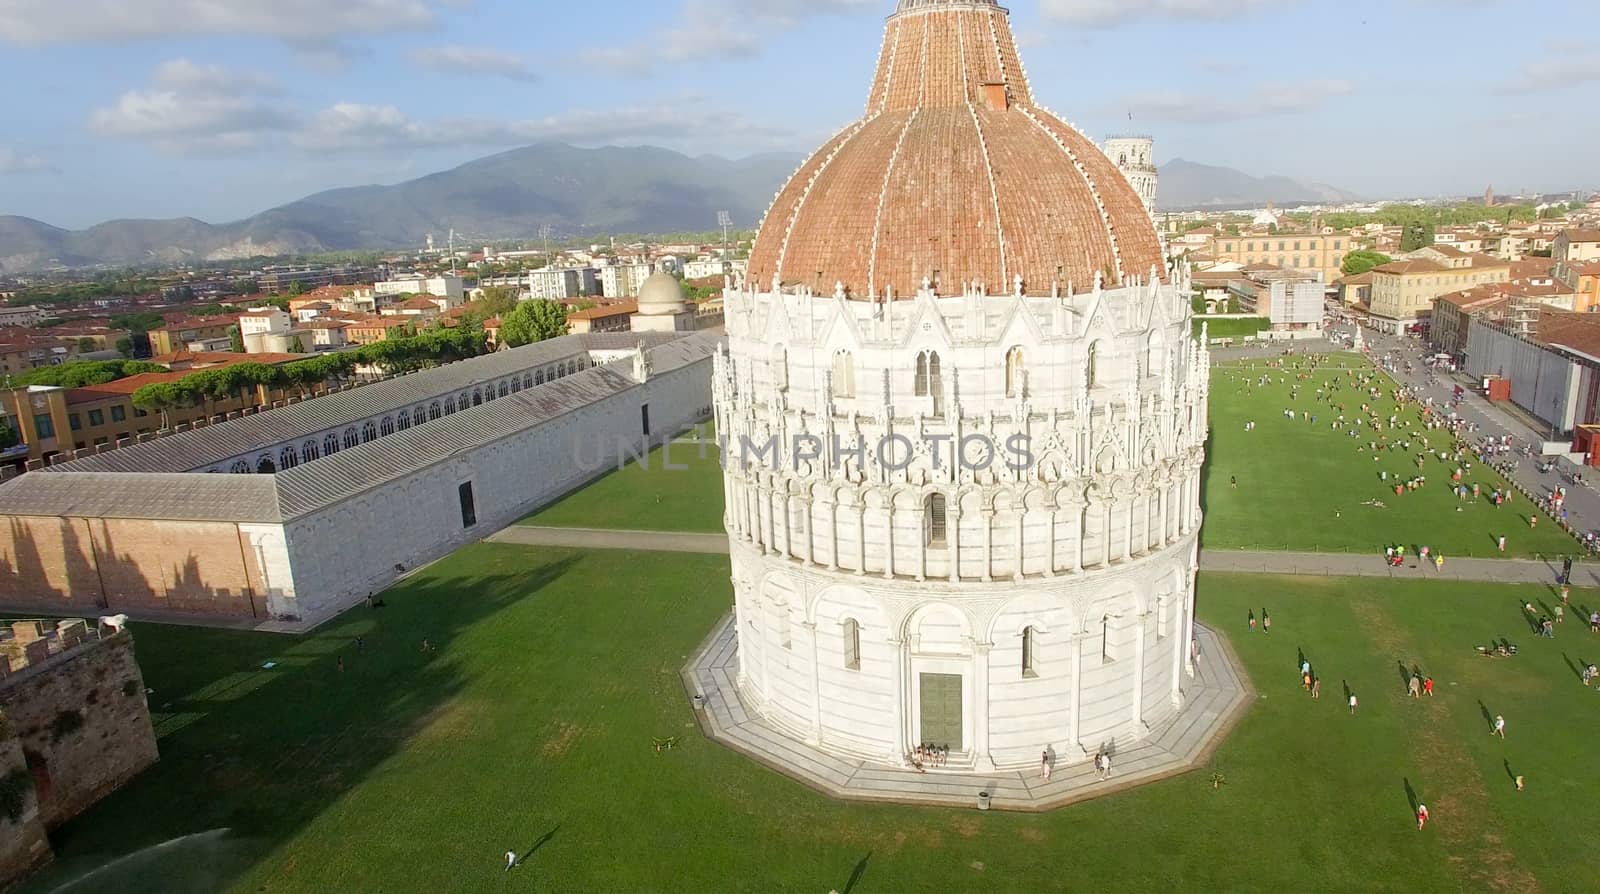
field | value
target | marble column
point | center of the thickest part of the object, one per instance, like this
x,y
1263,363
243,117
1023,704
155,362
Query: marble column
x,y
980,707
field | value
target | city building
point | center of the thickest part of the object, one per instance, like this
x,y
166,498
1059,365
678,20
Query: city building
x,y
1583,278
349,489
182,330
447,286
1575,246
1551,360
623,280
1318,253
1403,291
609,317
25,315
1135,156
662,306
891,589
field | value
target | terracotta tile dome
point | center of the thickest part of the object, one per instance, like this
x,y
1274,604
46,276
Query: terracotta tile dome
x,y
954,175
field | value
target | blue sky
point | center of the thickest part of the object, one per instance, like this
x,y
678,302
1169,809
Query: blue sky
x,y
221,108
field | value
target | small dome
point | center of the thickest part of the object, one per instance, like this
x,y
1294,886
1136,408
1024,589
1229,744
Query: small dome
x,y
661,294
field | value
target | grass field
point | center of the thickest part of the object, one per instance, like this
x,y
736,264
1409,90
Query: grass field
x,y
1303,486
1237,327
530,728
648,495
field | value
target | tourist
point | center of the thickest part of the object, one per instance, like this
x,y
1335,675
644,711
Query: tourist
x,y
1422,816
1499,726
1566,570
1560,613
1252,620
1353,704
1106,763
1438,563
1044,765
1566,593
511,860
1266,622
1099,765
1519,783
1233,480
1594,622
1502,541
427,646
1427,686
1305,667
1305,681
1316,687
1414,687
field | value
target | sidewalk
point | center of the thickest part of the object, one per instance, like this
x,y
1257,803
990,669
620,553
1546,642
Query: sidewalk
x,y
1510,571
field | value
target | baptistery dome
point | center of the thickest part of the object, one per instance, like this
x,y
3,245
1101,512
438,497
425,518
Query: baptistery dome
x,y
963,521
954,175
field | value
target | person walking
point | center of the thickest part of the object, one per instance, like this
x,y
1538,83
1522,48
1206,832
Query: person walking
x,y
1499,726
1353,704
1316,687
1414,687
1438,562
1560,612
1044,765
1422,816
1252,621
511,860
1427,686
1266,622
1502,542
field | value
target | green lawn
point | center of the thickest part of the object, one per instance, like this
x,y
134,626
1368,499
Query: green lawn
x,y
1238,327
530,728
648,495
1303,486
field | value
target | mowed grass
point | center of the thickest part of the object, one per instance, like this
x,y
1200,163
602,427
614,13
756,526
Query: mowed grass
x,y
530,728
676,487
1305,487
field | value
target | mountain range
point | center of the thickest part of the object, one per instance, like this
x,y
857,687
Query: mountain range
x,y
512,195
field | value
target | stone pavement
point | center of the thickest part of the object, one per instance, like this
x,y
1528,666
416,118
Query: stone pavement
x,y
1511,571
1214,700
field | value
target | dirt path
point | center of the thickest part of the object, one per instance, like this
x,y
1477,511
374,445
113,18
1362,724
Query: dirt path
x,y
1462,814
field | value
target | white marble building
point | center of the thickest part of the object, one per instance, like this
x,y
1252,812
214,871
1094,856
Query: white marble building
x,y
887,592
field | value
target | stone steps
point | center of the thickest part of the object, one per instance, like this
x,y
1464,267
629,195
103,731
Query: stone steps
x,y
1214,699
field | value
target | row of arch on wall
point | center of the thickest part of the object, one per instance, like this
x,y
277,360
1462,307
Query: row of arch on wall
x,y
290,455
927,381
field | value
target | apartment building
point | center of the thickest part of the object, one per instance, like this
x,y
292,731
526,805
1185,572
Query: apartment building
x,y
1321,253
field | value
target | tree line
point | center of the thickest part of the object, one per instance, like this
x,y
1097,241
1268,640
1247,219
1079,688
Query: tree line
x,y
432,347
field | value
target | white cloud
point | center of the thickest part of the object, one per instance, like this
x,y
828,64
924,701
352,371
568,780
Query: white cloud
x,y
474,60
1220,66
1554,74
715,29
13,161
1098,13
1265,101
353,127
201,109
51,21
195,108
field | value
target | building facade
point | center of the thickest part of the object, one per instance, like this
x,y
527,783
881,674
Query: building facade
x,y
961,515
1319,253
1135,158
1403,291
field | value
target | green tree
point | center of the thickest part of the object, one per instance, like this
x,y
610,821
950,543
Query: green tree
x,y
497,301
533,321
125,347
1361,260
8,436
235,339
296,288
87,345
297,346
1417,234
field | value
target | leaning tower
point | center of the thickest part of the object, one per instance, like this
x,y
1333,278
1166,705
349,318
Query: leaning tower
x,y
1134,156
963,421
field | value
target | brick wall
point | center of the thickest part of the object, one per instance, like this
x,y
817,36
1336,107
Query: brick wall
x,y
76,762
89,567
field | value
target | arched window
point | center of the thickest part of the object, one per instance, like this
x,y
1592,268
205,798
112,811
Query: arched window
x,y
403,421
308,451
265,466
934,527
527,380
1153,356
433,410
386,427
351,438
449,405
419,416
330,444
461,401
516,385
287,458
538,377
240,467
852,644
477,398
1016,378
369,432
1105,638
1092,365
1028,644
844,375
503,390
572,368
928,382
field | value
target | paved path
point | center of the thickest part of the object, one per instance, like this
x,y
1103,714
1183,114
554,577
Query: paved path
x,y
1238,562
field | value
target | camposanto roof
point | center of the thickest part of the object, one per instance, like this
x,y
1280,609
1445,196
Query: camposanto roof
x,y
75,490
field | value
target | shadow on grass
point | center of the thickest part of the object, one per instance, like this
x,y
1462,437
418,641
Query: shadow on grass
x,y
857,873
543,840
255,754
1411,797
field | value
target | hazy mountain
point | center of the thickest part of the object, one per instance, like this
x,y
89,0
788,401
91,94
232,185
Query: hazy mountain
x,y
513,194
1186,185
510,195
